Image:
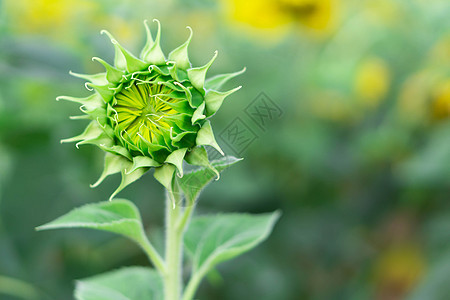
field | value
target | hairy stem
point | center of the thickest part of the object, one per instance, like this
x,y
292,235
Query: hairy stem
x,y
194,282
174,248
153,255
185,217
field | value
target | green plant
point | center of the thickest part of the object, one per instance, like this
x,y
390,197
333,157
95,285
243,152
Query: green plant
x,y
152,113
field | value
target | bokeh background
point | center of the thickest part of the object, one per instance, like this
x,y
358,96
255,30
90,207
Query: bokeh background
x,y
358,161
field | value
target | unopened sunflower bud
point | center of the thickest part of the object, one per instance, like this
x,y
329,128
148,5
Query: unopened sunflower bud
x,y
150,112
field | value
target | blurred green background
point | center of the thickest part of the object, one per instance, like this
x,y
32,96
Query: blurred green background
x,y
358,161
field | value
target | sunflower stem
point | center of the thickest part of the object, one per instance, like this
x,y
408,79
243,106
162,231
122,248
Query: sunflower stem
x,y
174,248
153,255
194,282
185,217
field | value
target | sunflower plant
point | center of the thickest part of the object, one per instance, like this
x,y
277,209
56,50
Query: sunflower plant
x,y
153,113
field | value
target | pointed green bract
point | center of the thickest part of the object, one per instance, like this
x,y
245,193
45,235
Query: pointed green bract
x,y
117,150
205,136
197,76
216,82
143,162
214,100
112,74
180,54
154,54
149,42
92,101
164,175
119,60
199,113
113,164
176,158
128,178
148,112
97,79
105,91
133,63
92,131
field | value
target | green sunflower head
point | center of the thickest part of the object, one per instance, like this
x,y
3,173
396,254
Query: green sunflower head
x,y
151,112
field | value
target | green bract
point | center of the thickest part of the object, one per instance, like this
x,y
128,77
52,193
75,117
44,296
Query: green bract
x,y
151,112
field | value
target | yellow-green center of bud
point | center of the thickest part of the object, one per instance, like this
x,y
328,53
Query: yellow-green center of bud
x,y
144,112
153,118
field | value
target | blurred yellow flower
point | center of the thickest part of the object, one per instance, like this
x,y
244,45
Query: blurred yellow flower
x,y
385,12
334,106
372,81
441,99
424,96
412,100
315,14
274,15
261,14
398,270
48,17
439,54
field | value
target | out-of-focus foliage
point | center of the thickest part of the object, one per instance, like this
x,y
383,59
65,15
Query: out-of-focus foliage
x,y
359,161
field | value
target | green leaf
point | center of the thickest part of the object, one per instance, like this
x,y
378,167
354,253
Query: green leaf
x,y
18,289
199,157
192,183
131,283
118,216
214,239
